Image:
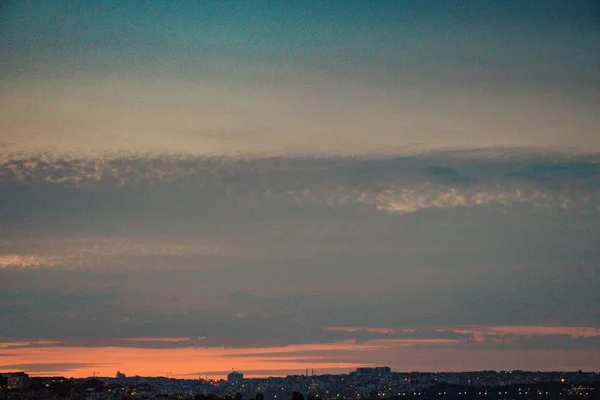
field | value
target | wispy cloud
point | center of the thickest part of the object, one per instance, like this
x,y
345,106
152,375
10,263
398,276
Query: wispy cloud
x,y
90,251
396,184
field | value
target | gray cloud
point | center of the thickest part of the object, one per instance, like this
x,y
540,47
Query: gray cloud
x,y
209,306
400,185
255,252
534,342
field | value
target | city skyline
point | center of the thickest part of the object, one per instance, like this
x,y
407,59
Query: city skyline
x,y
194,186
365,383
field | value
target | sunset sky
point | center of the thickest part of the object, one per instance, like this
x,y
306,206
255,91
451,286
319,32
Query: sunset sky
x,y
188,187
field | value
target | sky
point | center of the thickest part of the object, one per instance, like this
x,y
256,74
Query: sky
x,y
194,186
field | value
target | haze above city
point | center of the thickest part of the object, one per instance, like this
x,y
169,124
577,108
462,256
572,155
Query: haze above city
x,y
192,187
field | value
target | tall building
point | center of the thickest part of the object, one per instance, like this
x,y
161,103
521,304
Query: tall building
x,y
234,377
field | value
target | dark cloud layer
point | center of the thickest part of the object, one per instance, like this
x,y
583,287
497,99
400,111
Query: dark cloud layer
x,y
273,251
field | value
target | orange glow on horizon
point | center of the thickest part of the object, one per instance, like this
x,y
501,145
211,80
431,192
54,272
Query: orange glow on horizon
x,y
49,358
176,362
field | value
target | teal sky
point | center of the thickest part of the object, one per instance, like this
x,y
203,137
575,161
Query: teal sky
x,y
375,182
301,77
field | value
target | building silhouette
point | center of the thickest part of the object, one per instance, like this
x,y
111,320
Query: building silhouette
x,y
234,377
